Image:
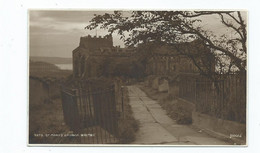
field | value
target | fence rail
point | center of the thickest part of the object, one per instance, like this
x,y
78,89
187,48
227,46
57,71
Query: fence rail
x,y
93,112
224,98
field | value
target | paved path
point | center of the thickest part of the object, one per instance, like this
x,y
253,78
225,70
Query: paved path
x,y
157,128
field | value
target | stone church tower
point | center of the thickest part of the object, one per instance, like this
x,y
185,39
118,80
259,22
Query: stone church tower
x,y
89,45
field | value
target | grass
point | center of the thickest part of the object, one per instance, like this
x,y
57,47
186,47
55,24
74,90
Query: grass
x,y
127,125
47,118
176,109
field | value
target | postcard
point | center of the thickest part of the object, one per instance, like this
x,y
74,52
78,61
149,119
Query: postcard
x,y
137,78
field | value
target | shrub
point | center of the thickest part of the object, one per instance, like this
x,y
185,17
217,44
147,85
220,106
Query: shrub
x,y
184,117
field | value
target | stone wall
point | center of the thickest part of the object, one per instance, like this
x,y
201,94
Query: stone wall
x,y
93,43
168,64
89,56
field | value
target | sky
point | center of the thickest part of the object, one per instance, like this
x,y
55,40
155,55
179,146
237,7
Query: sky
x,y
55,33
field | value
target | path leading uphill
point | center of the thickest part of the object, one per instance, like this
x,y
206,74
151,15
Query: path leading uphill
x,y
157,128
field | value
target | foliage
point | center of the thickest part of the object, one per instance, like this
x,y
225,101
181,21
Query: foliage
x,y
175,27
131,67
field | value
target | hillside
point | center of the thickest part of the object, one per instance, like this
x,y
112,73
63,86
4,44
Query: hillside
x,y
52,60
44,69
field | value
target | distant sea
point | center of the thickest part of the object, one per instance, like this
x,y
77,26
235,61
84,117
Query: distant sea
x,y
64,66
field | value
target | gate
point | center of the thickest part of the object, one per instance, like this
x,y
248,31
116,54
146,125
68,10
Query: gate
x,y
91,112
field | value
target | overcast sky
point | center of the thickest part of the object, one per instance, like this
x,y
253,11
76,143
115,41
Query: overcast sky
x,y
57,33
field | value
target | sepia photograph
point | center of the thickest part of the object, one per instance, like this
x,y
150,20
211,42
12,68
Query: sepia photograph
x,y
137,77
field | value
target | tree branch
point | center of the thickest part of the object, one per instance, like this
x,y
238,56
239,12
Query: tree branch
x,y
210,44
230,26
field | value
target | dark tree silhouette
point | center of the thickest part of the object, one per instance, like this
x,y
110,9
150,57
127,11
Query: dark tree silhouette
x,y
175,27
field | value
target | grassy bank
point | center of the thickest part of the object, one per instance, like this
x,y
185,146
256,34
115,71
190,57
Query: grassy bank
x,y
45,119
45,110
127,125
177,109
46,114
